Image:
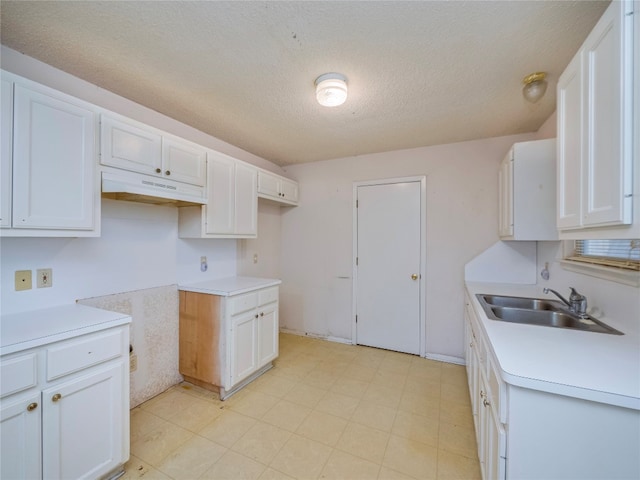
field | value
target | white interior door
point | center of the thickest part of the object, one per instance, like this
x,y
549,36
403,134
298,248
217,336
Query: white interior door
x,y
388,266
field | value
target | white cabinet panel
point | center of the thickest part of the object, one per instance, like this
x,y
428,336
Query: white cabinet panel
x,y
20,435
53,163
83,425
130,147
220,209
244,355
595,107
232,207
277,188
527,187
268,331
570,146
6,153
184,162
246,200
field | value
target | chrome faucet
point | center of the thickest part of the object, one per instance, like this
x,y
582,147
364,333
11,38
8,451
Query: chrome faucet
x,y
577,302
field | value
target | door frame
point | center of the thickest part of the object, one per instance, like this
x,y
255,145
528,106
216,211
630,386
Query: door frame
x,y
422,179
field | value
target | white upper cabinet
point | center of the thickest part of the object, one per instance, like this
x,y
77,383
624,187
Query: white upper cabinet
x,y
277,188
527,186
595,148
6,121
135,147
232,207
49,179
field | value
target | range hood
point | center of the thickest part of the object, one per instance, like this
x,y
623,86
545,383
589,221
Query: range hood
x,y
134,187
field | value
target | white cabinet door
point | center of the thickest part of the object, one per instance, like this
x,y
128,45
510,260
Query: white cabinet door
x,y
220,209
246,200
53,163
20,448
6,152
244,346
184,162
130,147
569,167
607,125
268,185
289,190
84,422
496,440
505,194
268,330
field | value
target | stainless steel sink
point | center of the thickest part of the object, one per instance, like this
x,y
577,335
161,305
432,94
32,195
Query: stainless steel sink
x,y
521,302
535,311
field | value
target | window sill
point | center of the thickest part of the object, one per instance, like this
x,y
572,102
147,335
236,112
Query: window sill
x,y
607,273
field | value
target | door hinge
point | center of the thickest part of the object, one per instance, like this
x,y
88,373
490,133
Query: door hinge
x,y
356,261
356,318
357,203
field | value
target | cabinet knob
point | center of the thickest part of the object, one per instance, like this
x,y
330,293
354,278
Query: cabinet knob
x,y
158,170
256,315
262,314
414,276
167,173
32,406
482,394
485,402
56,397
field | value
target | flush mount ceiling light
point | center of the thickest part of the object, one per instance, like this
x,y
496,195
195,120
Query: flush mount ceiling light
x,y
534,86
331,89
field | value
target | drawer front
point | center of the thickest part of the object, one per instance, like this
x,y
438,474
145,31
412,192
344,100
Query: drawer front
x,y
84,352
243,303
268,295
18,374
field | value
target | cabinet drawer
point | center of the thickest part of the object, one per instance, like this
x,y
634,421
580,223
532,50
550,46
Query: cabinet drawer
x,y
268,295
18,373
84,352
242,303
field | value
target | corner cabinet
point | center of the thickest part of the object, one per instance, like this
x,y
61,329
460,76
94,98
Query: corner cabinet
x,y
226,341
277,188
65,408
49,152
232,207
527,186
595,131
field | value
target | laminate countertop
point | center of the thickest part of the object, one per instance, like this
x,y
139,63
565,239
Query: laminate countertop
x,y
593,366
20,331
229,286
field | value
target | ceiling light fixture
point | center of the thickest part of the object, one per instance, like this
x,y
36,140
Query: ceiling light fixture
x,y
534,86
331,89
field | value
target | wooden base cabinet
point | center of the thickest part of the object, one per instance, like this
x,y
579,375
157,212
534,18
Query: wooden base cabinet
x,y
65,408
226,341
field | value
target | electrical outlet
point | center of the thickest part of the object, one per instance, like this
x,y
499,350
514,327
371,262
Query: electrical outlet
x,y
203,264
133,362
23,280
255,258
44,278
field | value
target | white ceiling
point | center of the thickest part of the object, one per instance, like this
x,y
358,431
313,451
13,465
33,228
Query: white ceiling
x,y
419,72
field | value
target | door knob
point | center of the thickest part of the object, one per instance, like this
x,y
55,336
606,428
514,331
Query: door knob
x,y
414,276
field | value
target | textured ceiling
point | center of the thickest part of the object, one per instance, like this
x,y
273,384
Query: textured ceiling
x,y
419,73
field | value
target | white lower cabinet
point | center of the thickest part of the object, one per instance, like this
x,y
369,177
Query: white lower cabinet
x,y
226,341
65,408
523,433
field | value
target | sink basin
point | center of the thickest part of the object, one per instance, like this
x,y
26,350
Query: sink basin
x,y
522,302
535,311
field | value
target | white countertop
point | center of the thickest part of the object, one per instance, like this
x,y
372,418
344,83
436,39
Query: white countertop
x,y
20,331
230,286
593,366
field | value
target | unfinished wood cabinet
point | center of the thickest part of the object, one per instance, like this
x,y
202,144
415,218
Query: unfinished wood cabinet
x,y
227,341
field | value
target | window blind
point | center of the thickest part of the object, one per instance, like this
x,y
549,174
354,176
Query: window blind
x,y
613,253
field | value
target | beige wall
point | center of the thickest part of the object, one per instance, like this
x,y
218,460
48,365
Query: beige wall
x,y
461,222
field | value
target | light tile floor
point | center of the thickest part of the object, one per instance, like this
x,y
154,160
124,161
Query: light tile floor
x,y
325,411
